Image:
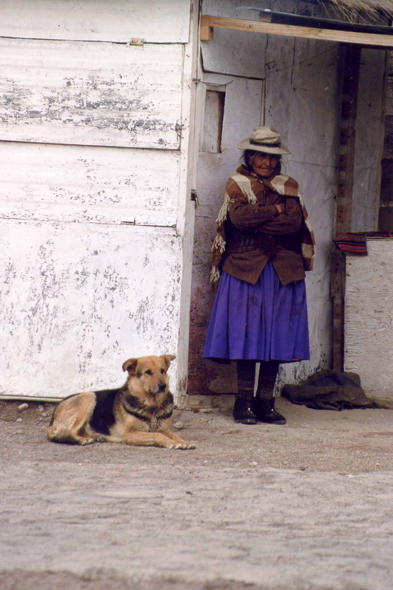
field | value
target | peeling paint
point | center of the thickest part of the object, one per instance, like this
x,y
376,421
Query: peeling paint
x,y
100,20
82,302
90,93
105,186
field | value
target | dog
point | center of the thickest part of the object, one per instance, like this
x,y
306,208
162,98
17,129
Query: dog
x,y
139,413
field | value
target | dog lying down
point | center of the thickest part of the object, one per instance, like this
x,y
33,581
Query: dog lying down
x,y
139,413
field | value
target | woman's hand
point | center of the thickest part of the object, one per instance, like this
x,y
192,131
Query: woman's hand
x,y
280,208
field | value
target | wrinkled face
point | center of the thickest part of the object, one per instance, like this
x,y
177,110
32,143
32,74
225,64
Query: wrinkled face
x,y
150,371
264,164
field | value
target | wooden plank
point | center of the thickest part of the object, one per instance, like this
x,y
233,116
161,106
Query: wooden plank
x,y
99,20
88,184
369,130
207,33
372,40
350,60
338,294
317,22
90,93
78,300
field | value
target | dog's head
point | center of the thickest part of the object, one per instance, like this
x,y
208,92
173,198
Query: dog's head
x,y
149,373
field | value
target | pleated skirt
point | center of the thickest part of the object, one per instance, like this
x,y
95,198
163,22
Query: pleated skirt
x,y
262,322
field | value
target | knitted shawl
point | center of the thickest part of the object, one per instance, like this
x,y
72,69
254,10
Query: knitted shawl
x,y
281,184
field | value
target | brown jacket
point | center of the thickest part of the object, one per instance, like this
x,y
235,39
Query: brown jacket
x,y
257,233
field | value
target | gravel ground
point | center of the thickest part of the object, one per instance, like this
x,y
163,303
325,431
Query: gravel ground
x,y
304,506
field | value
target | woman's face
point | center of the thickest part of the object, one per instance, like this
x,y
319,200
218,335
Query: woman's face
x,y
264,164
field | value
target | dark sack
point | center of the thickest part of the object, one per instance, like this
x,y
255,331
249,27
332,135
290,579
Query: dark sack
x,y
329,390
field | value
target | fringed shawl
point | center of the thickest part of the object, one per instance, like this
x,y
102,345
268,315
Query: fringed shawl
x,y
281,184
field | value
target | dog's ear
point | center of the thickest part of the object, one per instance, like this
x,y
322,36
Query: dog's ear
x,y
130,366
167,358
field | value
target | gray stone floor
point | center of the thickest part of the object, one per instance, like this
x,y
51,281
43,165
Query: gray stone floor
x,y
305,506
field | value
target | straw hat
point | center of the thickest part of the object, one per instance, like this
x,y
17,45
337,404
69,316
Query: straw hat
x,y
266,140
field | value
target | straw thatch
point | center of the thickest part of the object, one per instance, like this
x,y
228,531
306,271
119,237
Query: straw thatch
x,y
368,8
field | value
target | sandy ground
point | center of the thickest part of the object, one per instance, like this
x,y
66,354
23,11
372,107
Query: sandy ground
x,y
304,506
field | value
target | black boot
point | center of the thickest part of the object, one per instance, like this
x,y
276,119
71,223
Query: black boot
x,y
243,410
264,403
265,412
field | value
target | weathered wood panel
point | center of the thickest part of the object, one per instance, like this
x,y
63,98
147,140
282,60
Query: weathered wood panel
x,y
87,184
97,20
90,93
369,319
81,301
239,53
369,141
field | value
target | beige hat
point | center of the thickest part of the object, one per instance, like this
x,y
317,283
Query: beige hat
x,y
264,139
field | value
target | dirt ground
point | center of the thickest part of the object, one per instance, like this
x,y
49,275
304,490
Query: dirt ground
x,y
304,506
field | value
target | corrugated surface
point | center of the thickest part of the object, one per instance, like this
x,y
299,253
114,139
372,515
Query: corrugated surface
x,y
90,93
369,319
85,184
78,301
155,21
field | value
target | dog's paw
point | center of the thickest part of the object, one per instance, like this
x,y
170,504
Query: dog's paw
x,y
185,446
86,441
98,437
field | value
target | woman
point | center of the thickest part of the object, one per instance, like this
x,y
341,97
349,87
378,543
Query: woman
x,y
262,248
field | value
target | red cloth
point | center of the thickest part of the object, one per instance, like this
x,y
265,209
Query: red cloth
x,y
356,243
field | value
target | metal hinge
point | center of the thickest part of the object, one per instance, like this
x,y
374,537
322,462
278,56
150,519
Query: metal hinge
x,y
179,130
136,42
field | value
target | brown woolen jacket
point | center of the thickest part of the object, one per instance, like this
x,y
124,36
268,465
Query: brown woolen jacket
x,y
257,233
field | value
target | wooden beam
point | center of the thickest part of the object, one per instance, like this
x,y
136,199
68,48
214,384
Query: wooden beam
x,y
350,62
206,33
367,39
338,296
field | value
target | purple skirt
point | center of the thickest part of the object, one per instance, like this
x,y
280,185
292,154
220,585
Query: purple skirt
x,y
261,322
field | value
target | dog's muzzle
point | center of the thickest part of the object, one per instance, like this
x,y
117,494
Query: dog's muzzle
x,y
158,389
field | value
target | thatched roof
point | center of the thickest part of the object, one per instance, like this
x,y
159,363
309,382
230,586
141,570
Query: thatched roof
x,y
370,8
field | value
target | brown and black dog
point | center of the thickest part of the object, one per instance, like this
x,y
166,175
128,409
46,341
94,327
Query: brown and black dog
x,y
139,413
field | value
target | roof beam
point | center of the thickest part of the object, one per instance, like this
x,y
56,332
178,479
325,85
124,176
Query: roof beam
x,y
208,23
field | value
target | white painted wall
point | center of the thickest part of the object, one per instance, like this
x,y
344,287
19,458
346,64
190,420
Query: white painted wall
x,y
369,320
369,130
238,53
78,93
94,190
302,102
79,299
47,182
155,21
